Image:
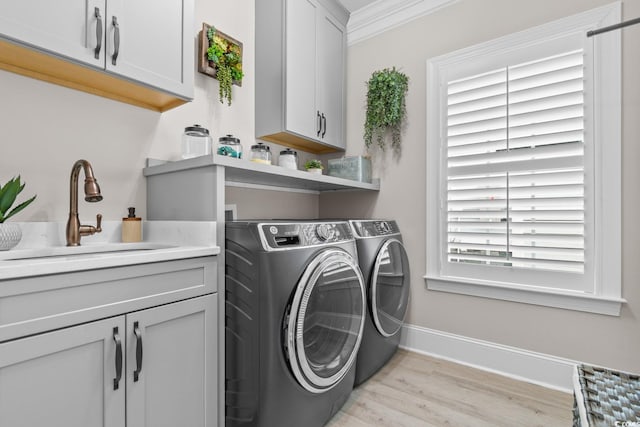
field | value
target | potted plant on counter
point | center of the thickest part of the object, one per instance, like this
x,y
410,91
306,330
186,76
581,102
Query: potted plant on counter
x,y
314,166
386,107
10,233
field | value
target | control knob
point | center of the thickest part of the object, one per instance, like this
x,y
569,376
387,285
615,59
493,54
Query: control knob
x,y
325,232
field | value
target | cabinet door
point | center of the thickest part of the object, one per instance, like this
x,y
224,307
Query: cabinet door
x,y
331,66
63,378
172,349
152,41
302,116
67,28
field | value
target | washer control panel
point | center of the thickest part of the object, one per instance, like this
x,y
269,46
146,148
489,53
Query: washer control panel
x,y
372,228
296,235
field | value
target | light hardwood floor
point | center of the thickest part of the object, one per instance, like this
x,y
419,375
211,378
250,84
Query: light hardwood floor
x,y
414,390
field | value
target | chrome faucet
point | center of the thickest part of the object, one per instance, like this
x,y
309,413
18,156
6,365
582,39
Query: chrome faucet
x,y
92,194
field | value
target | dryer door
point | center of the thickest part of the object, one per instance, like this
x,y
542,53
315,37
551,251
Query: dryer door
x,y
325,320
390,282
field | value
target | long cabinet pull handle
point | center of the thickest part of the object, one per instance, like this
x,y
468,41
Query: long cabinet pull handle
x,y
324,125
138,334
116,40
98,48
118,341
319,122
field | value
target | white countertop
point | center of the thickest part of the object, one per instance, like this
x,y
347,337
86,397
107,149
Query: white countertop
x,y
43,245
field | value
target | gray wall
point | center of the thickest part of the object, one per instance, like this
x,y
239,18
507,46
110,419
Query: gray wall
x,y
612,341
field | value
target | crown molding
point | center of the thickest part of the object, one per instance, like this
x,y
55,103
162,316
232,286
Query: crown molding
x,y
384,15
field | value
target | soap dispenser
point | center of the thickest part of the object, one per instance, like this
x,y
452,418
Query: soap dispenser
x,y
132,227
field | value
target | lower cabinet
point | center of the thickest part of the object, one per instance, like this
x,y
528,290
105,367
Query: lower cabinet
x,y
155,367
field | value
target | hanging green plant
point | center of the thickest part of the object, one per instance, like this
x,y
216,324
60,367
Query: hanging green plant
x,y
226,57
386,108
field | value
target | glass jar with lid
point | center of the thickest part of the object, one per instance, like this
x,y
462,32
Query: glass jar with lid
x,y
261,153
195,142
229,146
288,159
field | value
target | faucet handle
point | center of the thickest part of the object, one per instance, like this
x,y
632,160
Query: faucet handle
x,y
98,223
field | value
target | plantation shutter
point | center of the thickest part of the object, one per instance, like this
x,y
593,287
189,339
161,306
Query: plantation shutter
x,y
515,166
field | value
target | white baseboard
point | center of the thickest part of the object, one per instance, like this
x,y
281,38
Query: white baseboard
x,y
537,368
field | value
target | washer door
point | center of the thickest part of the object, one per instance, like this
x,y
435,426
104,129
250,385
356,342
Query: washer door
x,y
325,320
390,282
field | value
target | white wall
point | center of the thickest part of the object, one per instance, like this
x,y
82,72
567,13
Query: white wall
x,y
45,128
612,341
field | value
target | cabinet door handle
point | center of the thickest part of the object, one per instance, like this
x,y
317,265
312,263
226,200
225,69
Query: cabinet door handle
x,y
324,125
138,334
116,338
116,40
319,127
96,51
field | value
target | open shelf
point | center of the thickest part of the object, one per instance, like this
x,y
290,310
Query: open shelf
x,y
246,172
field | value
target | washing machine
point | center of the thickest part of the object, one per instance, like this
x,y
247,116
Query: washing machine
x,y
295,310
385,266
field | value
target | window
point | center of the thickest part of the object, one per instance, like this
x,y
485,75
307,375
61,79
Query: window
x,y
520,133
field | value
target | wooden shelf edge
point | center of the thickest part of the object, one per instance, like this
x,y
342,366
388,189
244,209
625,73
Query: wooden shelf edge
x,y
51,69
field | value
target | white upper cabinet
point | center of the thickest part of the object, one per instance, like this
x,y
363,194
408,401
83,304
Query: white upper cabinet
x,y
148,42
300,68
330,89
67,28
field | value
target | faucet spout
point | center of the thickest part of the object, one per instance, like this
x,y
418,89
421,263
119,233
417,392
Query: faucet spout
x,y
92,194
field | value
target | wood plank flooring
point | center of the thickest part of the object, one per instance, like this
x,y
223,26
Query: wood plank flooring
x,y
414,390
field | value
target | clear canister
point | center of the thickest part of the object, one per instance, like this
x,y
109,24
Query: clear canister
x,y
288,159
195,142
261,153
229,146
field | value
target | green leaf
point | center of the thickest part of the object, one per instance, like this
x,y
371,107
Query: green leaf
x,y
386,108
9,194
18,208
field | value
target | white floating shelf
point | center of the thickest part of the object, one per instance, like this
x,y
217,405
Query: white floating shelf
x,y
247,172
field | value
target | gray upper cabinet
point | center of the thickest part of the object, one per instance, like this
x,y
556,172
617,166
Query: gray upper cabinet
x,y
300,67
147,42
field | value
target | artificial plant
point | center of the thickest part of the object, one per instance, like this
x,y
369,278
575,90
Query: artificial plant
x,y
386,108
227,59
313,164
8,194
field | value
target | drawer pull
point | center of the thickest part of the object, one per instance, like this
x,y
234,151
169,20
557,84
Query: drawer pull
x,y
138,334
116,40
96,51
324,125
116,338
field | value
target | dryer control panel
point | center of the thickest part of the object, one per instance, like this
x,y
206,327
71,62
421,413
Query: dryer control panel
x,y
372,228
296,235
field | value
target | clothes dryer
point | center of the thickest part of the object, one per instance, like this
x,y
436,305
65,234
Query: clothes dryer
x,y
295,309
385,267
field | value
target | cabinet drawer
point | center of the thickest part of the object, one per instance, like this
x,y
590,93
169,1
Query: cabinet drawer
x,y
37,304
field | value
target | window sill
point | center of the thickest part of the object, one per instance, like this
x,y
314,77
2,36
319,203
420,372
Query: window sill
x,y
528,295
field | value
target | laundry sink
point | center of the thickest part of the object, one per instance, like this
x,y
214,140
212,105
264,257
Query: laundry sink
x,y
84,250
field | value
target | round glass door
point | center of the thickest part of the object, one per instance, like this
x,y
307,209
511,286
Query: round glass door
x,y
390,288
325,321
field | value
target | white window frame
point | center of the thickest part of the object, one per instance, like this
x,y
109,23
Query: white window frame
x,y
603,292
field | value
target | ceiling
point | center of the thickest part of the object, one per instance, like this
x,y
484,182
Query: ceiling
x,y
353,5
